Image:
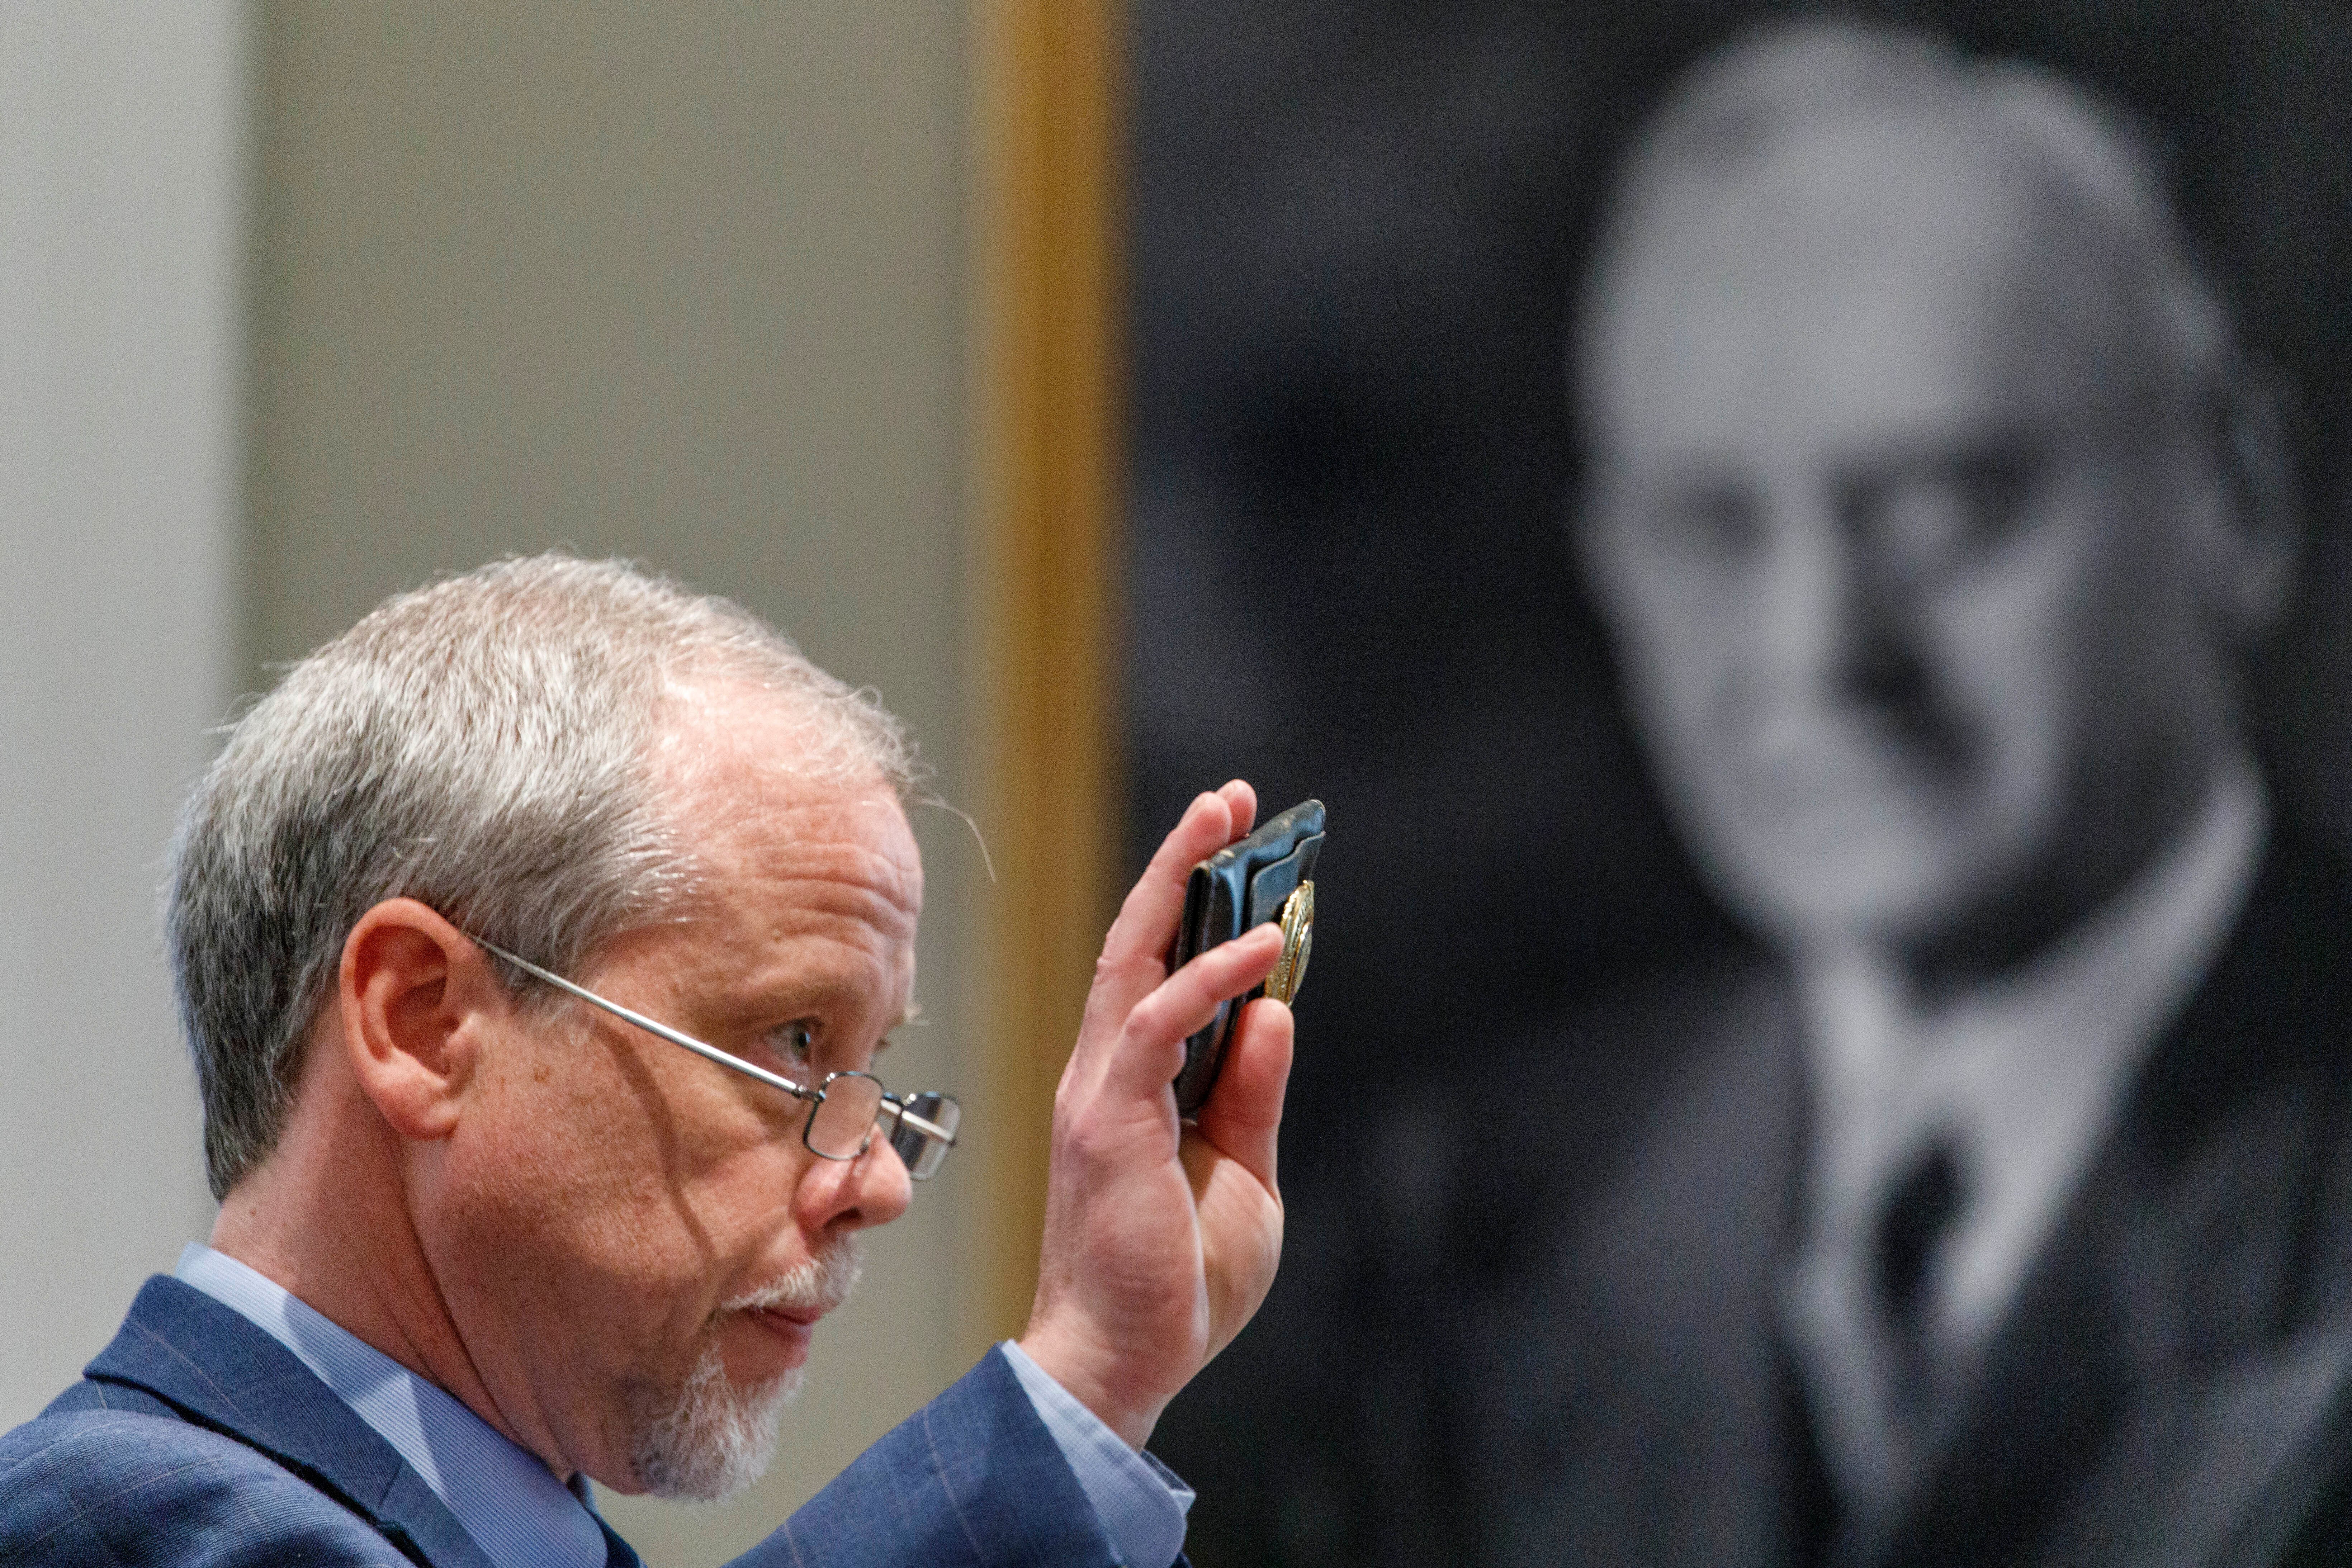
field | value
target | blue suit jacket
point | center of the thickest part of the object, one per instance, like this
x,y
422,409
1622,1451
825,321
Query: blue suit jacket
x,y
196,1438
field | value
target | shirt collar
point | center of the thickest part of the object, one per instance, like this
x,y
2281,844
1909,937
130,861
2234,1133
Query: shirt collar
x,y
512,1505
2029,1070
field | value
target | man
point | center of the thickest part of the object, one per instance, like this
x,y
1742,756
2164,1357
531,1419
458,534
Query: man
x,y
2007,1215
442,916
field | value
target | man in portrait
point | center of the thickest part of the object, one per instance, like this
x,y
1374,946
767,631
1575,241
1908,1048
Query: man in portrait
x,y
535,941
2000,1208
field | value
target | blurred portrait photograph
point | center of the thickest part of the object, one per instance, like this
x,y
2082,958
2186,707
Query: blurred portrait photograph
x,y
1848,1060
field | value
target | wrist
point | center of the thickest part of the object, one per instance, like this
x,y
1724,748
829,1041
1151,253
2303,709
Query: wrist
x,y
1095,1378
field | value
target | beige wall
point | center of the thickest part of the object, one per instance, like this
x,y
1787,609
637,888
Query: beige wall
x,y
679,282
120,139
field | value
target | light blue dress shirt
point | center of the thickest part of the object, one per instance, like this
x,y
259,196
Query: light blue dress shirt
x,y
523,1517
512,1505
1140,1501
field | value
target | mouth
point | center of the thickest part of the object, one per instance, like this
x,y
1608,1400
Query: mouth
x,y
792,1332
789,1307
799,1317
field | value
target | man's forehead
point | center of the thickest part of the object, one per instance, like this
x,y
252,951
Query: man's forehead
x,y
753,783
1876,270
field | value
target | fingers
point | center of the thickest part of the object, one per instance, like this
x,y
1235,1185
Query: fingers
x,y
1244,1113
1135,950
1147,921
1151,1051
1134,953
1242,801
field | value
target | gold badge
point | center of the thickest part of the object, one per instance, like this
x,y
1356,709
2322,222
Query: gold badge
x,y
1298,941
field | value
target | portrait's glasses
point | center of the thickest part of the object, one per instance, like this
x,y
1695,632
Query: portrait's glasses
x,y
843,1110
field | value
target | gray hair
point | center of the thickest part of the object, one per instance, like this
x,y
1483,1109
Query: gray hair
x,y
1773,80
482,745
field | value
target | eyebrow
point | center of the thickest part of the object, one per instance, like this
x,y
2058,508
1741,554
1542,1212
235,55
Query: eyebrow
x,y
1996,440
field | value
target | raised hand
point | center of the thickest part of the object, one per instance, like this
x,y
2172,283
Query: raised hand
x,y
1161,1239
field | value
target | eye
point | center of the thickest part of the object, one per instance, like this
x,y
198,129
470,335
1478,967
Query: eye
x,y
1943,517
796,1043
1707,521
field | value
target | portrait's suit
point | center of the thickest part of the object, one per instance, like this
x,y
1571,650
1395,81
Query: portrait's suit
x,y
196,1438
2172,1382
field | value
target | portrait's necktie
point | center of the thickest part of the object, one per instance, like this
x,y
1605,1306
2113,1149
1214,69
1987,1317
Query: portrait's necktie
x,y
1859,1316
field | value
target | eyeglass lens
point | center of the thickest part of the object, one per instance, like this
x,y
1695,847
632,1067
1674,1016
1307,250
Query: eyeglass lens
x,y
924,1152
840,1123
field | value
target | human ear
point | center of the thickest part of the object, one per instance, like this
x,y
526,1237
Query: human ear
x,y
410,991
2254,542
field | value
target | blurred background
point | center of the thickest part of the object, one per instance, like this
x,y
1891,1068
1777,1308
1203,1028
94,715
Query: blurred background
x,y
1136,395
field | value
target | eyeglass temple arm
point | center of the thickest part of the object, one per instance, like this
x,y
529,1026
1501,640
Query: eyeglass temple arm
x,y
923,1125
687,1041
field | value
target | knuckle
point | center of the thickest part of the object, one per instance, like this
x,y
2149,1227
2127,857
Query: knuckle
x,y
1150,1019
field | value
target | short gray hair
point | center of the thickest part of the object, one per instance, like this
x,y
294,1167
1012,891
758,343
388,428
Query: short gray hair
x,y
482,745
1777,79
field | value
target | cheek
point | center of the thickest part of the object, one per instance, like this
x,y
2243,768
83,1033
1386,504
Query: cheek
x,y
549,1195
585,1197
2037,655
1682,633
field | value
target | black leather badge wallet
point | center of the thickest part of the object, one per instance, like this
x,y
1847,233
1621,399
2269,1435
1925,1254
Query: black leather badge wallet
x,y
1265,877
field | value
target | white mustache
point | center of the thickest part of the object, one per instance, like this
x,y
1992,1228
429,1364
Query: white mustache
x,y
821,1284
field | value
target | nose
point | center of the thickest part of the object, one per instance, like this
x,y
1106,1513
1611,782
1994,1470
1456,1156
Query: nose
x,y
1830,631
843,1195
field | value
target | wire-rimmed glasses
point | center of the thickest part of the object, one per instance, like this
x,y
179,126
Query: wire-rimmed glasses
x,y
844,1110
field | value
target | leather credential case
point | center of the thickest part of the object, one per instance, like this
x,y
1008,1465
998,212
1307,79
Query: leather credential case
x,y
1238,888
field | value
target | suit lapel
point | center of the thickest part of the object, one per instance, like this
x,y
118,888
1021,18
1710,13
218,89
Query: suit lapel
x,y
1636,1408
2151,1379
2223,1470
222,1372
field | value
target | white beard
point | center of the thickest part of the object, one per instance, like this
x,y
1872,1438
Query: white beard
x,y
709,1439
